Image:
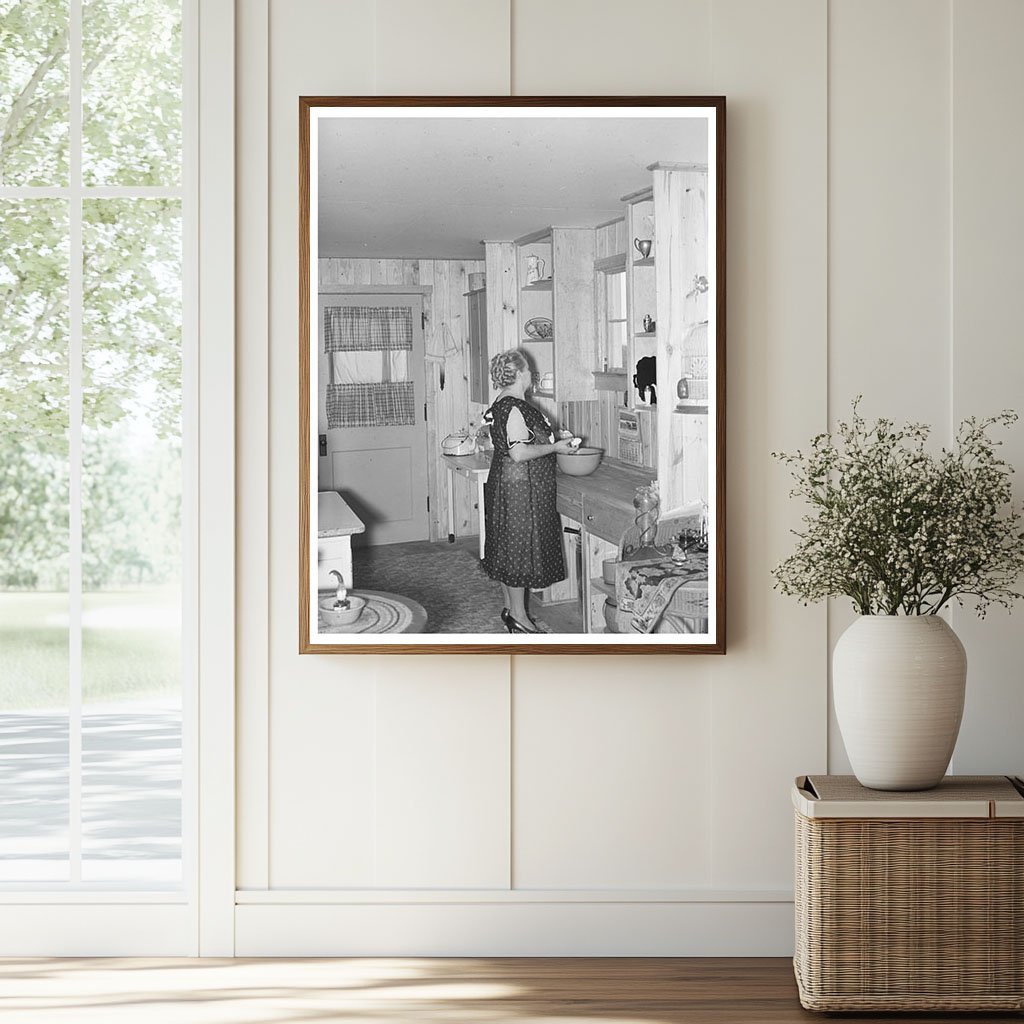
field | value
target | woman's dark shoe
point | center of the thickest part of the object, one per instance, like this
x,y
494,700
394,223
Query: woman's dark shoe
x,y
513,625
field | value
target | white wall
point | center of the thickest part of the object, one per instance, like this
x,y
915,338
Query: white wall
x,y
626,804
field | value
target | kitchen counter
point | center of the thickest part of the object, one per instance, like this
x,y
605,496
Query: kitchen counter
x,y
612,483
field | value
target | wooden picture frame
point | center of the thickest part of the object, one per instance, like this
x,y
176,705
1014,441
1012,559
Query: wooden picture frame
x,y
399,224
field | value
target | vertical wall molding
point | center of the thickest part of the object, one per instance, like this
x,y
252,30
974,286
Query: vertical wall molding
x,y
216,478
253,424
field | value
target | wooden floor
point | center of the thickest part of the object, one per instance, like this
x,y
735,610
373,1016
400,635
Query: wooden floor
x,y
384,991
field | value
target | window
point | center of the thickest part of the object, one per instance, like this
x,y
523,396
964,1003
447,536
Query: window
x,y
611,318
95,458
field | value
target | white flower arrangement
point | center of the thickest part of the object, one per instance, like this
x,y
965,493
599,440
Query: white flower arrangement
x,y
900,530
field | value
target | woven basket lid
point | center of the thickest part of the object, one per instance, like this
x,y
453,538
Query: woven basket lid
x,y
957,796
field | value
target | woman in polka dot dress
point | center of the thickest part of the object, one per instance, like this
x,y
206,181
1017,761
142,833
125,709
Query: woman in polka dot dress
x,y
523,548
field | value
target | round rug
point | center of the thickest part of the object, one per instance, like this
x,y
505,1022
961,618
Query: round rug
x,y
382,614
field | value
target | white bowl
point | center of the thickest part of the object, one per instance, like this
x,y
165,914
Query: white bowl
x,y
341,616
581,462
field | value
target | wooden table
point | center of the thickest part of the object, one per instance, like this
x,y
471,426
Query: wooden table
x,y
384,613
336,523
474,467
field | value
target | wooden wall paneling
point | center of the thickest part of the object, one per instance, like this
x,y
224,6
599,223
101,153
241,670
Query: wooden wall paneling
x,y
502,296
362,271
436,479
453,399
334,272
458,383
622,242
443,339
610,238
609,404
448,336
575,357
680,227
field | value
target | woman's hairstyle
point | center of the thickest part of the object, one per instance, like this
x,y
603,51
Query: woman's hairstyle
x,y
505,366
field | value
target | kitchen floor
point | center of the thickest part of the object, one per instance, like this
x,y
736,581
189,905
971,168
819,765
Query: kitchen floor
x,y
448,580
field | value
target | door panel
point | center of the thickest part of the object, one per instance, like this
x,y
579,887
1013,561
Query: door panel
x,y
379,469
383,496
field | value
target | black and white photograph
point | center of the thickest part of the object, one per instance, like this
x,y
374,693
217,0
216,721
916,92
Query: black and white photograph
x,y
511,375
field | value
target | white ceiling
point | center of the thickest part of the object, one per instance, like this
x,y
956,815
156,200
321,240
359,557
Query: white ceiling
x,y
422,187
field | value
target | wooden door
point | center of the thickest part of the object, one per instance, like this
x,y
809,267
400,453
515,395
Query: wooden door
x,y
378,457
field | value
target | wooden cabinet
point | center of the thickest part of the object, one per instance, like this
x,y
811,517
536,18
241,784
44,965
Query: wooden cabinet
x,y
602,506
534,263
667,316
604,520
681,283
553,273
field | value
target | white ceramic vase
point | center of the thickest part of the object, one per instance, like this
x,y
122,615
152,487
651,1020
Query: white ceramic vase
x,y
898,684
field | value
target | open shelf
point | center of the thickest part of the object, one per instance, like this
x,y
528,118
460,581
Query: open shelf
x,y
647,261
542,394
598,583
646,334
544,285
538,341
691,410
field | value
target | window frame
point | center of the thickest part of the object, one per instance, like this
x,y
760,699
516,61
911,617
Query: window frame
x,y
120,918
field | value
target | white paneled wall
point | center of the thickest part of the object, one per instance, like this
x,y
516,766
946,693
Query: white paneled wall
x,y
612,776
624,804
889,239
986,364
442,803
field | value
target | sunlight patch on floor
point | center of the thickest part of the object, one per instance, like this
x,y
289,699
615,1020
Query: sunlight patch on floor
x,y
359,991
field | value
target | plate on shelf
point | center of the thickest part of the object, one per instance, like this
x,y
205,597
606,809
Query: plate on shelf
x,y
540,327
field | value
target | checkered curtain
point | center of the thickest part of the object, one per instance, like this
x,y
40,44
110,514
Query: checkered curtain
x,y
389,404
367,328
352,334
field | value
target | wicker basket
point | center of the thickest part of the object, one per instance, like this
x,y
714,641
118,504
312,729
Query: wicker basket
x,y
909,901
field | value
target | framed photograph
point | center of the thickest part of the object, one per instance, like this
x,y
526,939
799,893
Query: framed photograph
x,y
512,375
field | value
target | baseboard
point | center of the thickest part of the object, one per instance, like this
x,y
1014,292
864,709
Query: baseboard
x,y
603,928
97,929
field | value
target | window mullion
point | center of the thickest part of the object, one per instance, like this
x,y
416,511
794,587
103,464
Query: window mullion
x,y
75,303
